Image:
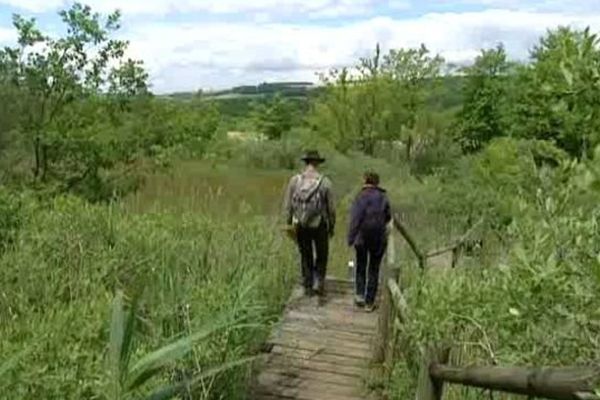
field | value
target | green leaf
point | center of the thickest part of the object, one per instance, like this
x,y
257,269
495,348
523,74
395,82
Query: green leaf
x,y
169,392
566,73
153,362
117,331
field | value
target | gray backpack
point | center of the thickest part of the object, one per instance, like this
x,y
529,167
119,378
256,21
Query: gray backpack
x,y
307,200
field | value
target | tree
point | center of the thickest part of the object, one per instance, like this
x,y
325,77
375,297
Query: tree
x,y
411,73
332,115
559,96
375,100
273,118
483,114
70,86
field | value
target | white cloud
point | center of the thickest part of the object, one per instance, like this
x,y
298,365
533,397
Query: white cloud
x,y
311,8
37,6
222,54
561,6
7,35
187,56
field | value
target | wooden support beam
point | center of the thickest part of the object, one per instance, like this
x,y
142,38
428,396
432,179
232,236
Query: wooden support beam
x,y
459,242
551,383
386,312
430,388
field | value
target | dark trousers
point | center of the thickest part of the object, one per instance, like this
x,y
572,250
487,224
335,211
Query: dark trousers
x,y
368,261
313,244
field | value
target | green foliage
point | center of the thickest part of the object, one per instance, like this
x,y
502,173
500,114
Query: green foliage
x,y
379,99
54,75
535,306
483,114
273,118
558,95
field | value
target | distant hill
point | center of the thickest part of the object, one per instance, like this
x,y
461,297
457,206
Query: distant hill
x,y
443,94
287,89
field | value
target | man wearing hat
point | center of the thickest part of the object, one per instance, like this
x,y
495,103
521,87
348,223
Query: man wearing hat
x,y
309,209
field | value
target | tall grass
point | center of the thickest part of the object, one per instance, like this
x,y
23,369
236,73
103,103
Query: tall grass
x,y
69,260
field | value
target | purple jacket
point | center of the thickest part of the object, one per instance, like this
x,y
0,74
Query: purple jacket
x,y
369,216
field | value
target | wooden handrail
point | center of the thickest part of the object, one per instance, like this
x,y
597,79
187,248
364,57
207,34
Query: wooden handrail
x,y
457,243
566,383
421,256
409,239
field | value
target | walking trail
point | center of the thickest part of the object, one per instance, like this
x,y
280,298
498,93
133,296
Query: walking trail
x,y
318,351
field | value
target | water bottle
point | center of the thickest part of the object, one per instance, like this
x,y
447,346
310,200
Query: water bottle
x,y
351,270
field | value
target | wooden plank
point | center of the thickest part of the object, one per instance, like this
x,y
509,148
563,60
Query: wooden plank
x,y
327,348
279,361
365,323
293,376
346,310
550,383
302,396
284,386
338,333
287,332
320,356
348,326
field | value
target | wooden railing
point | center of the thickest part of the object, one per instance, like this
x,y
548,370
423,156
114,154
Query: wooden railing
x,y
577,383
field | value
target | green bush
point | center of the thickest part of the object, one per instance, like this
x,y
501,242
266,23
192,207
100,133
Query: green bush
x,y
535,303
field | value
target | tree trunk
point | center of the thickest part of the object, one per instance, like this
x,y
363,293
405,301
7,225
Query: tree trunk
x,y
44,160
409,146
37,155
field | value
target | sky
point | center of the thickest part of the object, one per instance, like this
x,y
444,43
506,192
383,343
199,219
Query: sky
x,y
213,44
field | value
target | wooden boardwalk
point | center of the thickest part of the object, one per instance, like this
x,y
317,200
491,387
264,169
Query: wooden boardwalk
x,y
318,351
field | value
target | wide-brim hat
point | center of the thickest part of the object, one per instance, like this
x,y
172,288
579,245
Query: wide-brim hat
x,y
312,155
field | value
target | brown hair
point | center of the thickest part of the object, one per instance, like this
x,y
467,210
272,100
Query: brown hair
x,y
371,178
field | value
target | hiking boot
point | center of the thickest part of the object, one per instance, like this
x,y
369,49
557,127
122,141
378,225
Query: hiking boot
x,y
370,308
320,288
359,301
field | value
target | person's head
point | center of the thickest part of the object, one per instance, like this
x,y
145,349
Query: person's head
x,y
313,158
371,178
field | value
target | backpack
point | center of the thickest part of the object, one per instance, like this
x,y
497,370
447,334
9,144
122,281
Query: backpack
x,y
307,200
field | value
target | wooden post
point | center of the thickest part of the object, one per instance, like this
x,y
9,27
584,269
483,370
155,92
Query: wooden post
x,y
455,255
428,387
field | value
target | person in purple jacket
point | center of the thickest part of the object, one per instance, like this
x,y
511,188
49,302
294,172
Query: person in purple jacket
x,y
369,217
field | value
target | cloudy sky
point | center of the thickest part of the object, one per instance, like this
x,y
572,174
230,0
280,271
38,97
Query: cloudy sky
x,y
191,44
